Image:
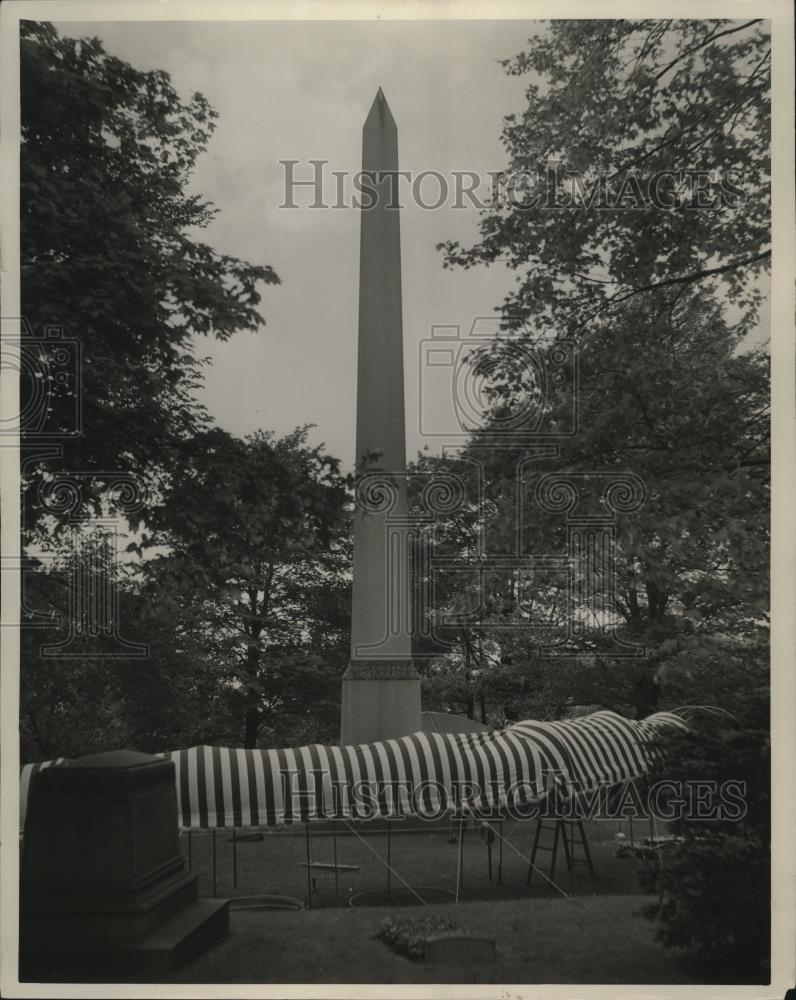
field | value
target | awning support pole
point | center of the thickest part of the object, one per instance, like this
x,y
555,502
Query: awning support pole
x,y
378,857
309,870
214,862
389,854
460,865
336,873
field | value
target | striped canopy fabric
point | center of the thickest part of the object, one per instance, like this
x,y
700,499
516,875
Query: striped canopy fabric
x,y
425,774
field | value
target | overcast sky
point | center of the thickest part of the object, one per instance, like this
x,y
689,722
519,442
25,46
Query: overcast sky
x,y
301,91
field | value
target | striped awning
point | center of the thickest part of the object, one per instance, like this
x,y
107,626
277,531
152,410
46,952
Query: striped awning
x,y
425,774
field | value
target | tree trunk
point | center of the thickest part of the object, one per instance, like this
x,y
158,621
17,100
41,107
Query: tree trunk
x,y
656,602
41,743
252,725
645,695
253,715
482,701
635,610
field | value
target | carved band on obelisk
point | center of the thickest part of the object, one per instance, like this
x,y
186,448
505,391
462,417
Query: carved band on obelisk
x,y
381,689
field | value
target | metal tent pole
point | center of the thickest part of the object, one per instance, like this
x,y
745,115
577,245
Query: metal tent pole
x,y
190,853
234,857
389,852
336,873
214,862
378,857
459,872
309,870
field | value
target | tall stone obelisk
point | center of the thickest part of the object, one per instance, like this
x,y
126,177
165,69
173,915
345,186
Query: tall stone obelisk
x,y
381,689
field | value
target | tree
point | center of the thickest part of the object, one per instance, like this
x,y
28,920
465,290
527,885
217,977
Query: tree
x,y
604,201
670,398
258,549
670,389
713,892
173,697
109,252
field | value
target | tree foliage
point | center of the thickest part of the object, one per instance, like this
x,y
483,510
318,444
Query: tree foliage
x,y
250,535
101,697
620,103
669,397
671,388
660,303
109,249
713,893
242,600
257,536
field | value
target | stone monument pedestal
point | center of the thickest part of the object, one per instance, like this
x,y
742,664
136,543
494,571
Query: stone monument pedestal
x,y
104,889
381,701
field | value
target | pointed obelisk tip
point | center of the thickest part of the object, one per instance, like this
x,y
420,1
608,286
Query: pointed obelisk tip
x,y
380,115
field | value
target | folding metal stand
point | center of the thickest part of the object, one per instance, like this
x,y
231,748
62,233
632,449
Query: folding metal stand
x,y
570,840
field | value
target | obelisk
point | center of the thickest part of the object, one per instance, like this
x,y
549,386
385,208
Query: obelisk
x,y
381,689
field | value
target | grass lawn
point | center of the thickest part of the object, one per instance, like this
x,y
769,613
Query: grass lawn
x,y
596,934
422,858
577,940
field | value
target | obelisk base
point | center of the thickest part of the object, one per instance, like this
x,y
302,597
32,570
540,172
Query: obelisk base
x,y
381,701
